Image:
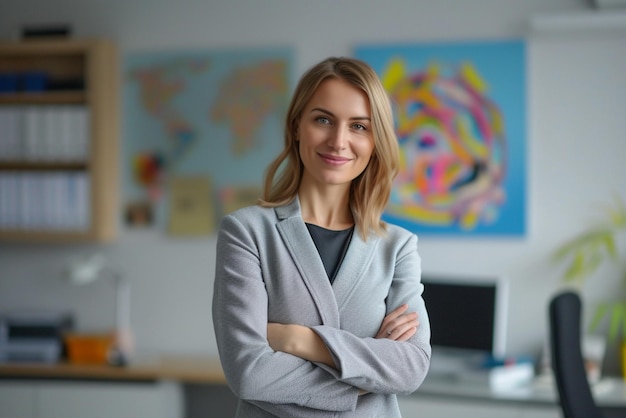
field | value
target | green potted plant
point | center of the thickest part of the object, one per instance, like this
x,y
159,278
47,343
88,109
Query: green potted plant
x,y
585,253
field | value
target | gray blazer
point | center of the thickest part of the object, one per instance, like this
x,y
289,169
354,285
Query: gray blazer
x,y
268,270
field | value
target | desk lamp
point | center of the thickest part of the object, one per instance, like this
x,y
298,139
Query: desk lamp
x,y
88,269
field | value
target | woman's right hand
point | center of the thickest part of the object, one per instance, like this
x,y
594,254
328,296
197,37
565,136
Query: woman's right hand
x,y
399,325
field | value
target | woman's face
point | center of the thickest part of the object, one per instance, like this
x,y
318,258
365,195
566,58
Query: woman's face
x,y
335,134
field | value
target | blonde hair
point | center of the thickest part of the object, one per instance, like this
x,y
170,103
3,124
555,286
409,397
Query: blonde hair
x,y
370,191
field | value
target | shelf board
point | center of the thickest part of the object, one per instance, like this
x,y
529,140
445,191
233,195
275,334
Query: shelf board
x,y
57,97
48,47
39,235
43,166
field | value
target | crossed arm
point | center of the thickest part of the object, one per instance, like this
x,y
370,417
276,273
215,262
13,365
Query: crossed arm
x,y
257,356
303,342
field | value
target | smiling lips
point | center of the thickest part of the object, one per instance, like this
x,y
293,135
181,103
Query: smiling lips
x,y
334,160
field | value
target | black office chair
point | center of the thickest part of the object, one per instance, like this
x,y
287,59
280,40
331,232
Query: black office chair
x,y
567,361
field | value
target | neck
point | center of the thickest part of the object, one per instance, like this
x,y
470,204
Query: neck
x,y
328,207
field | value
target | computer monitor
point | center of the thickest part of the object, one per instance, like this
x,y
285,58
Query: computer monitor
x,y
467,314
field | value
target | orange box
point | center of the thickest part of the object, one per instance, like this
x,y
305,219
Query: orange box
x,y
88,348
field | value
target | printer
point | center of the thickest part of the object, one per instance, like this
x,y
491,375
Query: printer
x,y
33,336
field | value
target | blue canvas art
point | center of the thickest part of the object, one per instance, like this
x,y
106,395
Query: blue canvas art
x,y
460,115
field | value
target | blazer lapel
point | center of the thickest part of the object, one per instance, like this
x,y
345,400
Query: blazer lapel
x,y
356,261
297,239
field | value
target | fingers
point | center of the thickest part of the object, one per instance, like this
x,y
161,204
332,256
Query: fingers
x,y
394,315
405,331
402,328
399,325
407,335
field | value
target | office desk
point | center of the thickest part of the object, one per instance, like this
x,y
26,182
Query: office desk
x,y
148,387
442,397
438,397
610,391
186,369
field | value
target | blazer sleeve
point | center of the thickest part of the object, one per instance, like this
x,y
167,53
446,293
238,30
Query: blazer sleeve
x,y
382,365
253,370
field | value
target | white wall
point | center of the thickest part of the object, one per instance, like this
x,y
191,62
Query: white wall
x,y
576,144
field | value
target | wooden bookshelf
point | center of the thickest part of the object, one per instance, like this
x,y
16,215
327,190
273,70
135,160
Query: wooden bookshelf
x,y
78,74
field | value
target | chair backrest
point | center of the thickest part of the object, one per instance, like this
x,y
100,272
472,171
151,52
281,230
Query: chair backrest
x,y
567,361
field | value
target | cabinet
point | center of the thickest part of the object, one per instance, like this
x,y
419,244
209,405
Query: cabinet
x,y
59,140
450,407
40,399
17,400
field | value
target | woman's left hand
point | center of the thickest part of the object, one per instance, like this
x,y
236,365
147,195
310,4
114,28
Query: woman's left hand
x,y
399,325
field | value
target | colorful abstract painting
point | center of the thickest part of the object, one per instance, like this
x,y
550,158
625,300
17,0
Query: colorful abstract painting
x,y
460,114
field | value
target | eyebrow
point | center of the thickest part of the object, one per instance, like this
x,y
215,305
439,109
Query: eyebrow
x,y
328,112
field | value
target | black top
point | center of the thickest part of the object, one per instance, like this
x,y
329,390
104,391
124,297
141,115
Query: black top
x,y
332,247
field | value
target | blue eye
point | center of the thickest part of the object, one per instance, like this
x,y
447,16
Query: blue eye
x,y
359,126
323,120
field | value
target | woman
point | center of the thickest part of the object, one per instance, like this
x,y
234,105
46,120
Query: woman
x,y
317,305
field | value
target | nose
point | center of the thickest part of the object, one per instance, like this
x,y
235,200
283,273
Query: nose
x,y
338,138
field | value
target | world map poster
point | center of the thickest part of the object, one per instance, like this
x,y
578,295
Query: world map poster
x,y
460,117
211,119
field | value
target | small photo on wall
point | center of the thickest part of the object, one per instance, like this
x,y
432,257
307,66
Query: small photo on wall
x,y
139,214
